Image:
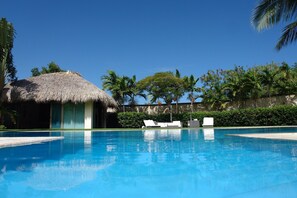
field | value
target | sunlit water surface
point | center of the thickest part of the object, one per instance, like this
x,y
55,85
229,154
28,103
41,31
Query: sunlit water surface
x,y
151,163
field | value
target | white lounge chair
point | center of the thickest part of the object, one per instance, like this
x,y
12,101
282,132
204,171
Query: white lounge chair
x,y
207,122
150,123
174,124
163,124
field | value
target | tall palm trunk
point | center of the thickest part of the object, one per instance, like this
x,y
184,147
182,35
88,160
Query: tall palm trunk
x,y
123,102
3,69
176,107
170,110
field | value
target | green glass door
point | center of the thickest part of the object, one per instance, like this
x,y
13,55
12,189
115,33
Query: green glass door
x,y
74,116
56,116
79,122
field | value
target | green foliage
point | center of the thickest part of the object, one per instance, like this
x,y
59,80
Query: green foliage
x,y
7,69
162,85
276,116
213,90
190,84
223,86
218,87
111,82
280,115
52,67
132,119
132,91
135,120
123,89
269,13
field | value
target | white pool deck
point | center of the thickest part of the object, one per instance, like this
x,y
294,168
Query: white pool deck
x,y
22,141
273,136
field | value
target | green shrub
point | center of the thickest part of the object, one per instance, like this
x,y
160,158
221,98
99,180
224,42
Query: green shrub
x,y
135,120
280,115
132,119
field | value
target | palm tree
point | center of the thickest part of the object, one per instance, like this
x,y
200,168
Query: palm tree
x,y
190,84
268,78
122,88
7,69
233,84
252,83
7,34
212,90
113,83
179,91
133,91
215,97
284,80
271,12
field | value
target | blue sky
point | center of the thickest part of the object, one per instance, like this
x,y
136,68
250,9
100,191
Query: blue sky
x,y
139,37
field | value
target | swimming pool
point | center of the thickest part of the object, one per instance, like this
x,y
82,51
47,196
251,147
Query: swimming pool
x,y
151,163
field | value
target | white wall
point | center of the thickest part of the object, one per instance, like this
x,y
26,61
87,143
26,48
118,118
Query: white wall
x,y
88,115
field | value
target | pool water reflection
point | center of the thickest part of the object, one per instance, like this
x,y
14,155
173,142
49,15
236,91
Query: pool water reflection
x,y
151,163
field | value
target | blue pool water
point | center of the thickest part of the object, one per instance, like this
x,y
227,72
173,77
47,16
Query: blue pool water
x,y
151,163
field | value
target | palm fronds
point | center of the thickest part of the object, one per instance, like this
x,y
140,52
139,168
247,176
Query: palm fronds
x,y
271,12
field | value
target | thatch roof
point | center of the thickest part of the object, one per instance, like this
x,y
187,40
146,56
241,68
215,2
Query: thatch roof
x,y
59,87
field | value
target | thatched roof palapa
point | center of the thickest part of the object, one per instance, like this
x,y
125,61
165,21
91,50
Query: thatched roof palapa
x,y
59,87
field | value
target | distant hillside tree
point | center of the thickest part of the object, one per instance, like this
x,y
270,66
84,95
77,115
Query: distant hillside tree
x,y
52,67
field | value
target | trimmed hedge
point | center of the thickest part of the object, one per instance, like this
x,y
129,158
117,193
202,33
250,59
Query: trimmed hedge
x,y
275,116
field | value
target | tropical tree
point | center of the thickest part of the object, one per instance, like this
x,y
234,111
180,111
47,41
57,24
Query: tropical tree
x,y
133,91
252,83
223,86
192,89
113,83
52,67
271,12
286,80
233,83
7,69
213,91
122,88
268,78
178,93
163,86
